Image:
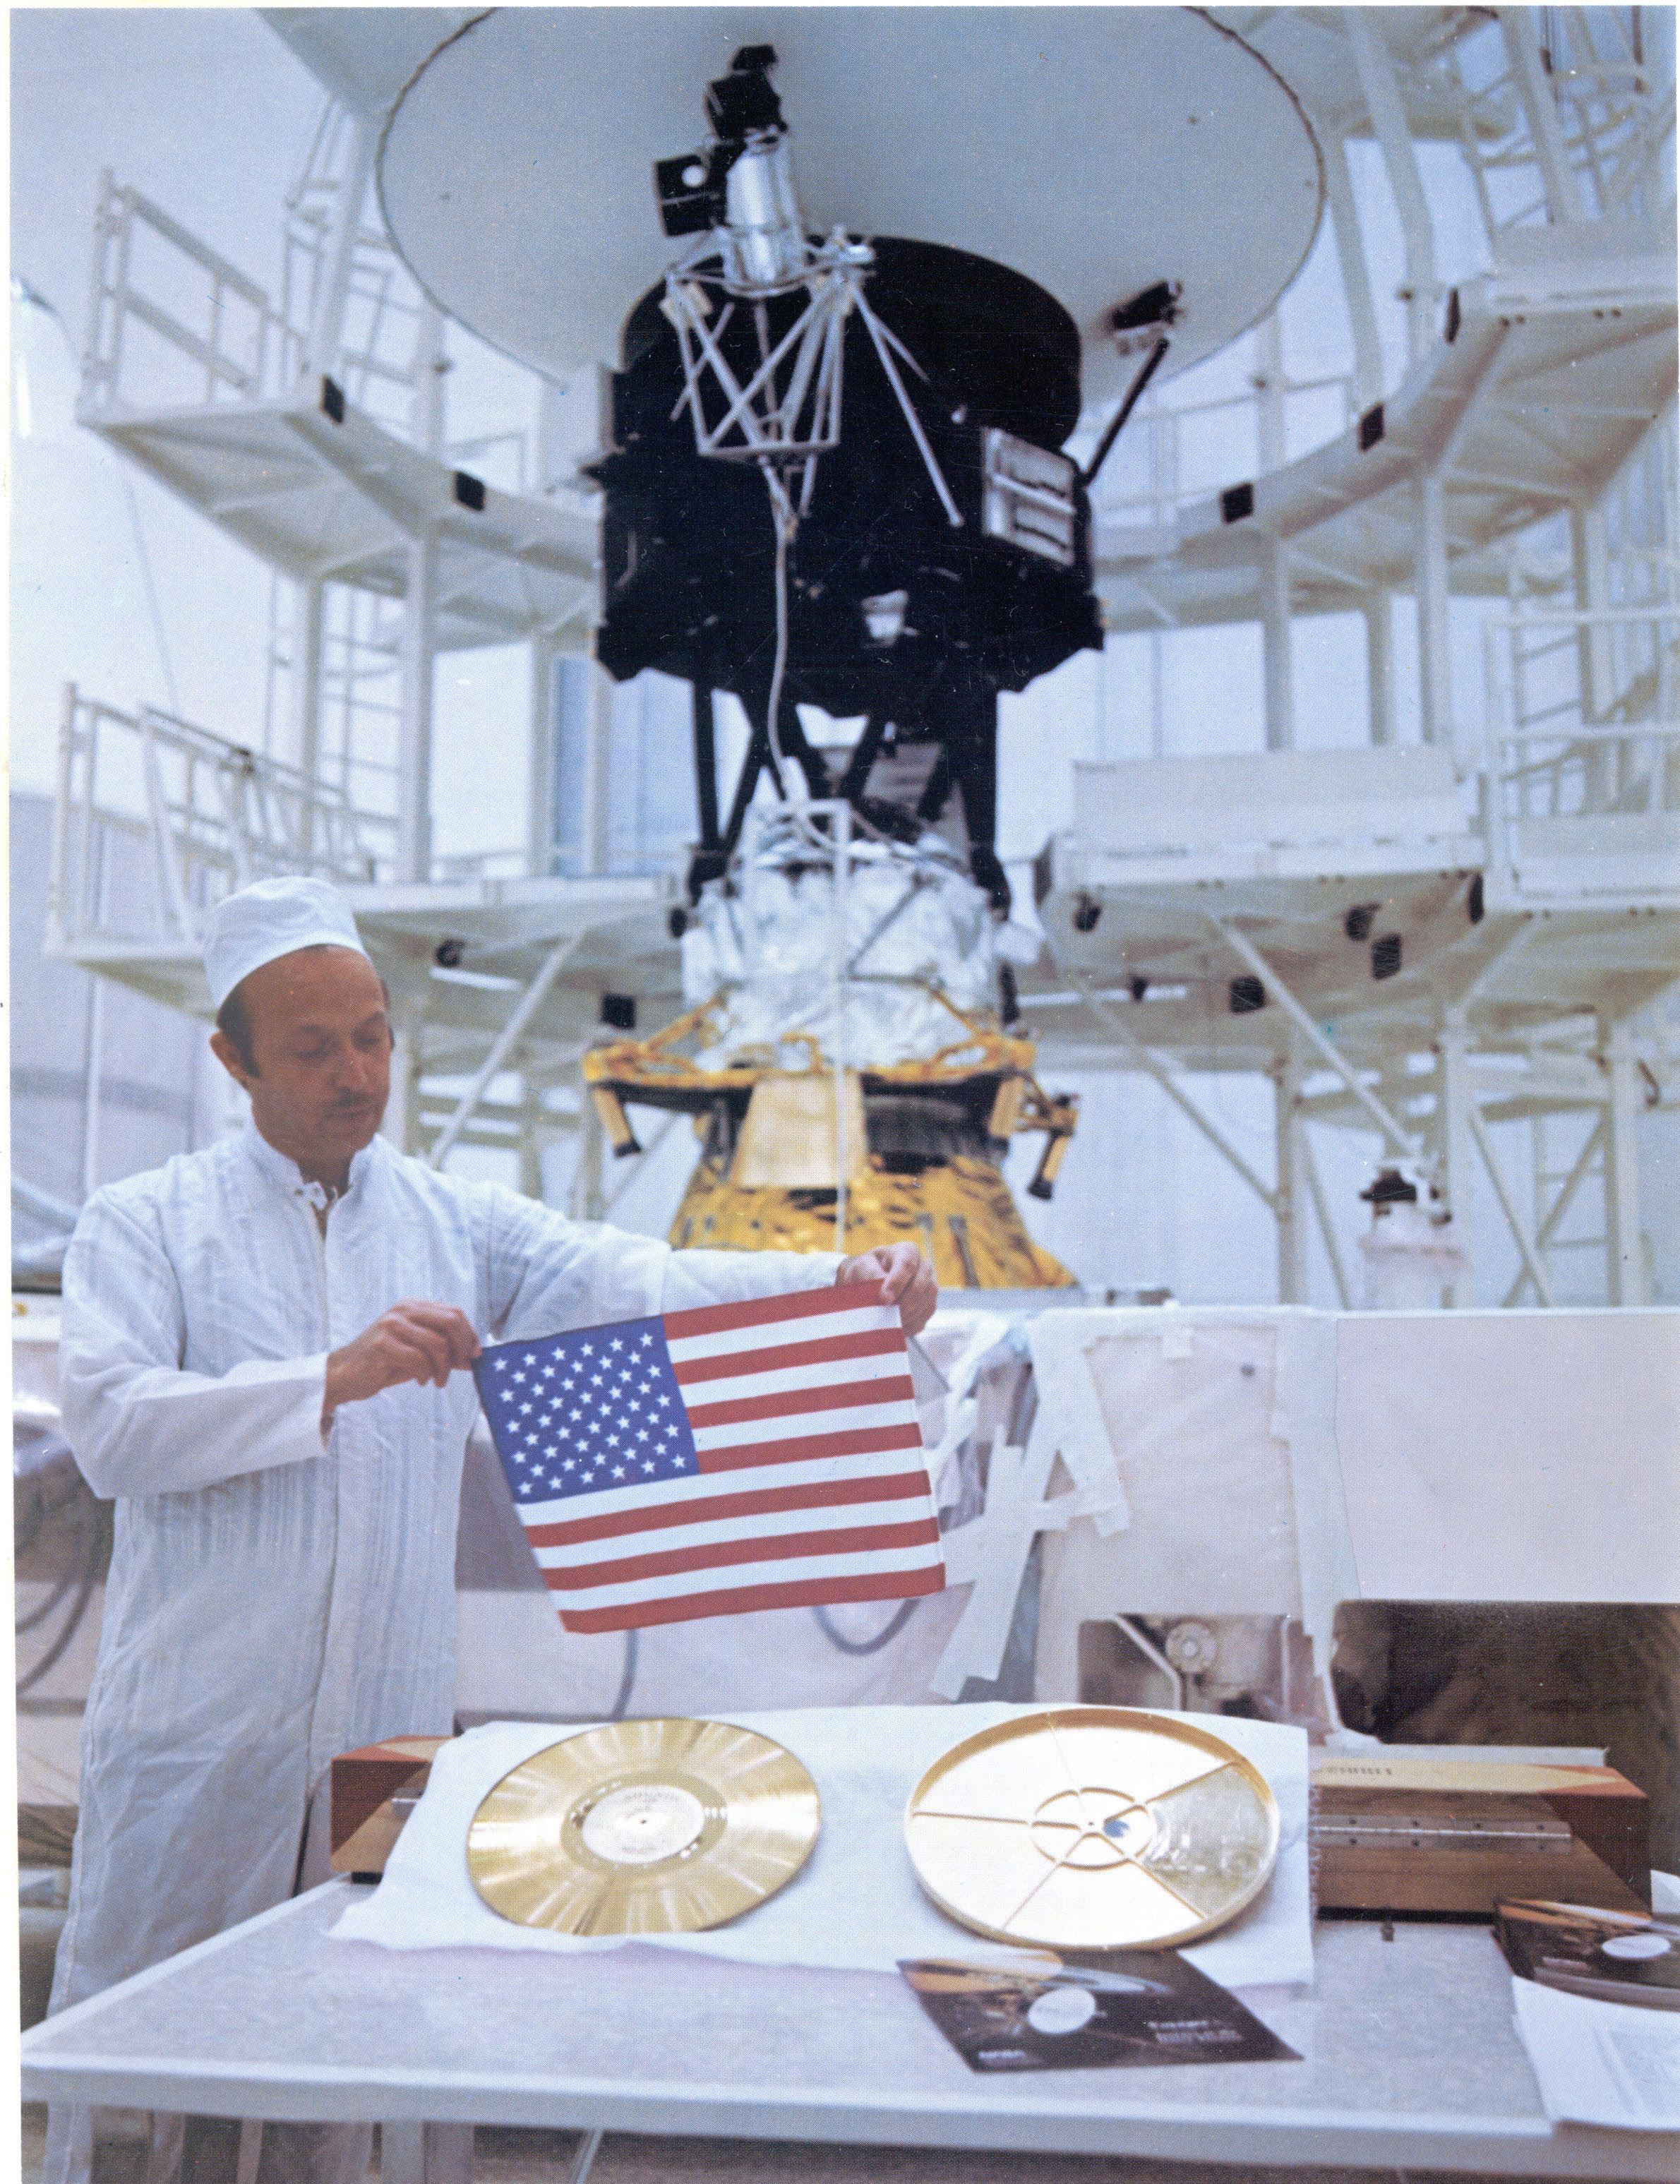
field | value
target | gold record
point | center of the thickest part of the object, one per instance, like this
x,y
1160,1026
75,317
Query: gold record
x,y
1092,1828
643,1827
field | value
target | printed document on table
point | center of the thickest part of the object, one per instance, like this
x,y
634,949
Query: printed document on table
x,y
1601,2062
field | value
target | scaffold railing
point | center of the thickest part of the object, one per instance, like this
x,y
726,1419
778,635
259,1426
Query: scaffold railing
x,y
214,816
170,323
1582,784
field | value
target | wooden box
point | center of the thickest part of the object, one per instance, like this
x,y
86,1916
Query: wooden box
x,y
366,1822
1420,1829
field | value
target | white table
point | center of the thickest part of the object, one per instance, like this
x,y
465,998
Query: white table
x,y
1411,2058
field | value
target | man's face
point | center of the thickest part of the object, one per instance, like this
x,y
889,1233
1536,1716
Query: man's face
x,y
321,1042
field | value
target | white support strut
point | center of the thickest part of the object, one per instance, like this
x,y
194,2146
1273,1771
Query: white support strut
x,y
529,1002
1398,1138
1180,1099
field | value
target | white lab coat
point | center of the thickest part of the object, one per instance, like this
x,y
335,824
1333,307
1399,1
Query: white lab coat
x,y
276,1597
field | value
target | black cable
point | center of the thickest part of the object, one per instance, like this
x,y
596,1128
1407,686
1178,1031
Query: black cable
x,y
61,1592
55,1652
843,1645
632,1648
1120,416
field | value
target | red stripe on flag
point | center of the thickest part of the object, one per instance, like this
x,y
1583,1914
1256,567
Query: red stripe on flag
x,y
829,1350
858,1440
764,1501
765,1311
638,1615
726,1554
797,1401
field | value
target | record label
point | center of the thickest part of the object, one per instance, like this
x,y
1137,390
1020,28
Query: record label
x,y
643,1827
646,1820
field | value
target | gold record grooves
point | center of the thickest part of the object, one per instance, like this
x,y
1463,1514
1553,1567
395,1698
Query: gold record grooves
x,y
643,1827
1092,1828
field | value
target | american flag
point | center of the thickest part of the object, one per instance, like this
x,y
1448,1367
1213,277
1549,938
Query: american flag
x,y
765,1454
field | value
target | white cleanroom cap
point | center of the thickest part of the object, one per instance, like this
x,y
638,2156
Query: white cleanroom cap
x,y
271,918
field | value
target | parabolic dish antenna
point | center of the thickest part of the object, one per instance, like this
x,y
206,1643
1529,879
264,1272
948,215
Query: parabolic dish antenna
x,y
1098,150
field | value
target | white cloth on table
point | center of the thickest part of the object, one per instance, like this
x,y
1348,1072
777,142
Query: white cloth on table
x,y
278,1595
855,1906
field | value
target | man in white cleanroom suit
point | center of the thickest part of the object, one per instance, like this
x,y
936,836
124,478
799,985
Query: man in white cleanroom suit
x,y
263,1361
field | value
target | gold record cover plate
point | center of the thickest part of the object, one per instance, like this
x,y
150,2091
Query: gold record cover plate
x,y
643,1827
1092,1828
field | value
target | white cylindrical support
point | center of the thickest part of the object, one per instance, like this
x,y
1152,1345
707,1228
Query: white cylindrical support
x,y
1539,110
541,830
1293,1189
1434,648
1379,663
531,1140
1457,1098
1624,1248
1272,450
306,703
431,363
58,921
333,287
401,1108
413,734
1590,553
1362,27
1270,419
1278,642
1356,273
1326,1223
594,832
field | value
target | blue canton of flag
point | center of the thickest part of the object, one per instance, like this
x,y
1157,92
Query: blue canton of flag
x,y
573,1413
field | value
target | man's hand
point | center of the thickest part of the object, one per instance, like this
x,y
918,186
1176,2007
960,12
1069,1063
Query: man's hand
x,y
413,1341
906,1280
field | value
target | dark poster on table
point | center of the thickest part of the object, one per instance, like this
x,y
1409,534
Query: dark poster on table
x,y
1145,2008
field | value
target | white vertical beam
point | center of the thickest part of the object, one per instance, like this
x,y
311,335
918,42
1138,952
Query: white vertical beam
x,y
1429,562
1294,1190
1379,659
1279,654
1382,102
432,365
598,760
1623,1248
306,700
1589,551
1274,568
332,287
1539,110
1326,1225
540,830
531,1140
401,1110
1356,272
61,920
414,732
1458,1145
